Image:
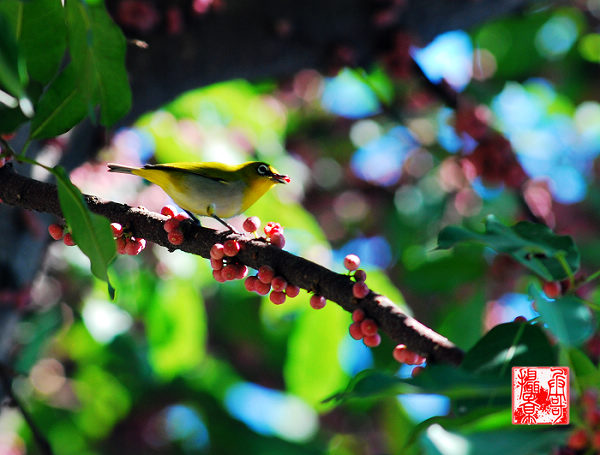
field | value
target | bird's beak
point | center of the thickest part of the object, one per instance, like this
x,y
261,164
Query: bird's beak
x,y
280,178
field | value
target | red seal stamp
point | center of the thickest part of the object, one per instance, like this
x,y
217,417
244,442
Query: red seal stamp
x,y
540,395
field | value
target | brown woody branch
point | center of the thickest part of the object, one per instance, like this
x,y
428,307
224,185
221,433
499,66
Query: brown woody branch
x,y
31,194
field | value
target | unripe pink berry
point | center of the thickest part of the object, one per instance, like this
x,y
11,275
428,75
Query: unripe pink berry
x,y
171,224
278,284
292,290
175,237
182,216
317,301
216,264
278,240
271,228
277,297
56,231
117,229
360,290
251,224
68,239
372,341
358,315
231,248
168,210
216,251
218,276
266,274
262,288
229,272
250,283
351,262
355,331
368,327
360,275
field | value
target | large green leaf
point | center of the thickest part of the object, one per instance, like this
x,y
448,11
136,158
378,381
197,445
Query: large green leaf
x,y
508,345
38,27
312,369
91,232
533,245
97,48
567,317
13,74
61,108
584,373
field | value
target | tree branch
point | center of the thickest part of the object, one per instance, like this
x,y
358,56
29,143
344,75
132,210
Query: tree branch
x,y
31,194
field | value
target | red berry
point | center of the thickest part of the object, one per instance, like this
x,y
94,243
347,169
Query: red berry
x,y
278,284
218,276
292,291
231,248
251,224
355,331
121,245
175,237
400,353
317,301
171,224
182,216
360,275
216,251
55,231
360,290
277,297
250,283
266,274
68,239
216,264
262,288
552,289
241,271
2,160
596,440
578,440
229,272
351,262
368,327
416,371
520,319
131,248
117,229
372,341
358,315
271,228
168,210
278,240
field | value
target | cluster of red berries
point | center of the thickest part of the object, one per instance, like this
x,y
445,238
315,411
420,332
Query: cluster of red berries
x,y
171,226
273,231
588,438
58,232
364,329
127,244
360,289
224,266
403,355
266,281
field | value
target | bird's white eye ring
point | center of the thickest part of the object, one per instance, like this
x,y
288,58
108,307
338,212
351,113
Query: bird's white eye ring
x,y
263,169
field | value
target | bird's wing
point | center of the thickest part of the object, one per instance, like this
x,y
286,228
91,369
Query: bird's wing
x,y
206,170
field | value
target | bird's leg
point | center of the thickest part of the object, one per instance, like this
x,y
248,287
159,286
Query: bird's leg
x,y
195,220
225,223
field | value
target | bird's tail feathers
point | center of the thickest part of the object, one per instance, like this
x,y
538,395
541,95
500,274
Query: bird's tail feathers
x,y
120,168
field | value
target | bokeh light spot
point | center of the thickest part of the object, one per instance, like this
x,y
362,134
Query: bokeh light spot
x,y
556,37
347,96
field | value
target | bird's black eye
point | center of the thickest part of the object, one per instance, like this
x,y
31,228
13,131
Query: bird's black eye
x,y
263,169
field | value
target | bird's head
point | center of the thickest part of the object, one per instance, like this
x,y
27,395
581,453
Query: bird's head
x,y
257,171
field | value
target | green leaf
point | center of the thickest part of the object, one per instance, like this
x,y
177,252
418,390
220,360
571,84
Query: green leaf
x,y
508,345
39,28
91,232
13,75
533,245
314,377
97,48
584,372
567,317
61,108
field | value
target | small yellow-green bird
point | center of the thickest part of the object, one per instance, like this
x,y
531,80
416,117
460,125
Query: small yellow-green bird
x,y
210,189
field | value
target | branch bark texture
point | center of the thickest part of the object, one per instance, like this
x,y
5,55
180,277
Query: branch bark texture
x,y
34,195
